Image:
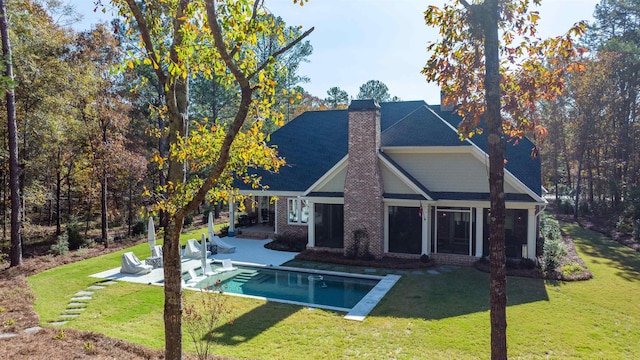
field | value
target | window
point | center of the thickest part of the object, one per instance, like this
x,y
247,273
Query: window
x,y
455,229
329,225
298,211
405,230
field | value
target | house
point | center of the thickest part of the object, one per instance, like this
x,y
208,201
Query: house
x,y
394,179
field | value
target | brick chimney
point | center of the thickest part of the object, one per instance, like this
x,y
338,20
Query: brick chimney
x,y
363,188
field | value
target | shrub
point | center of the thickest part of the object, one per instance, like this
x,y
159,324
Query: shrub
x,y
566,206
359,249
552,254
90,349
288,241
73,235
624,226
201,318
61,246
139,228
636,229
553,250
571,269
188,220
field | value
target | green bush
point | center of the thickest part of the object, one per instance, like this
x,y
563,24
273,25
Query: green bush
x,y
61,246
624,225
571,269
566,205
553,249
288,241
73,234
139,228
188,220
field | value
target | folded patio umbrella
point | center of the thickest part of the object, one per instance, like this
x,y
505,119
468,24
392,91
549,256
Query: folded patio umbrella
x,y
151,234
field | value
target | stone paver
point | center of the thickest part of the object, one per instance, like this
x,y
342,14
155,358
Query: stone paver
x,y
81,298
68,316
96,287
77,305
370,270
417,272
401,272
7,335
433,272
108,282
32,330
74,310
84,293
58,323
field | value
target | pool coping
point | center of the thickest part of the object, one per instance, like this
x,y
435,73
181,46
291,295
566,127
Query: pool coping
x,y
357,313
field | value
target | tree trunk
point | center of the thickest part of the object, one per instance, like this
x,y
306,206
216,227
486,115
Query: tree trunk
x,y
498,276
130,206
15,252
172,289
578,189
177,99
58,194
103,208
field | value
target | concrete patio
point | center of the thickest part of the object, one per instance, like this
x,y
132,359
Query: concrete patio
x,y
248,251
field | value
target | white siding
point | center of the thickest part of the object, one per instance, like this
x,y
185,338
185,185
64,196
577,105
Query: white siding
x,y
335,184
448,172
392,183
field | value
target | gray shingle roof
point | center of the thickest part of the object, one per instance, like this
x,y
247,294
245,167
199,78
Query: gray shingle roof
x,y
315,141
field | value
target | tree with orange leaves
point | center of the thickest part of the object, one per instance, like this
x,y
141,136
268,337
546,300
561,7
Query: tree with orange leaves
x,y
491,63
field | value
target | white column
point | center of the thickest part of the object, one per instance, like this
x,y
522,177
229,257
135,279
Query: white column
x,y
426,229
531,233
479,231
385,236
311,226
275,221
232,216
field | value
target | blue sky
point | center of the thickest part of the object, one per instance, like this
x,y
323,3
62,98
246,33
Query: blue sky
x,y
359,40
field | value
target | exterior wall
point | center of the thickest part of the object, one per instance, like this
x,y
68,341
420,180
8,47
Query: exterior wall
x,y
457,172
363,207
393,184
282,219
336,184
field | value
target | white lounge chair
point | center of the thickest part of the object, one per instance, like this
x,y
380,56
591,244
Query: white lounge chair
x,y
193,250
223,247
132,265
226,266
194,279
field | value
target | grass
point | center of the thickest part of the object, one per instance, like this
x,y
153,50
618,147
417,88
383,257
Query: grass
x,y
424,316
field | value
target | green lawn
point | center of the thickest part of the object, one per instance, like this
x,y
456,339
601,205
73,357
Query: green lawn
x,y
424,316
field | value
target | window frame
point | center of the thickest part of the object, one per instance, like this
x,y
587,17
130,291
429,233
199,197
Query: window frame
x,y
294,216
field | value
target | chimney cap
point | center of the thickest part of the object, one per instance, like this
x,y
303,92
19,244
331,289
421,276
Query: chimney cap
x,y
363,105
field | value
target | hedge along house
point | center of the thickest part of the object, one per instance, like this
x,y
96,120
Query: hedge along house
x,y
396,180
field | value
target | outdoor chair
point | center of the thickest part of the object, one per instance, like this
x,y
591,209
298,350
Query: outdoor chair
x,y
132,265
193,250
223,247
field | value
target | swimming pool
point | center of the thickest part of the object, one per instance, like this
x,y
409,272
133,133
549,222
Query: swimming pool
x,y
329,290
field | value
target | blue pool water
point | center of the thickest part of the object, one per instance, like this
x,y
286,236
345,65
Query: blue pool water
x,y
309,288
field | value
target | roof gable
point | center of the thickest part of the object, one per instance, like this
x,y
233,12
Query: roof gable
x,y
520,163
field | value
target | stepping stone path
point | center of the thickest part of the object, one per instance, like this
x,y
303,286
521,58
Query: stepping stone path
x,y
78,303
